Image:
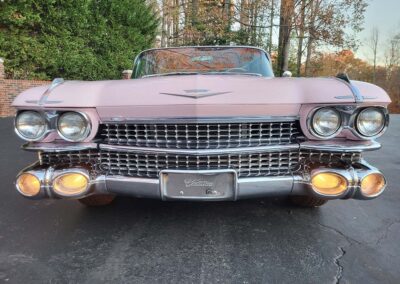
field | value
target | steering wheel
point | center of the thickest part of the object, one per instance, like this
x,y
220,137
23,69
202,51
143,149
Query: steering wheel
x,y
236,69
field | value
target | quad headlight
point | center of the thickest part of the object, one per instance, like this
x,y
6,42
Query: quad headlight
x,y
30,125
73,126
370,121
325,122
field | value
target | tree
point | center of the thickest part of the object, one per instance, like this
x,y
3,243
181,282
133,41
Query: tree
x,y
373,44
285,27
328,23
301,33
85,39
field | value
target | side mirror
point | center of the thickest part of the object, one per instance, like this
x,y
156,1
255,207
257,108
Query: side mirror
x,y
287,74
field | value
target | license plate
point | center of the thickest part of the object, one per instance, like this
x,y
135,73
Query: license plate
x,y
198,185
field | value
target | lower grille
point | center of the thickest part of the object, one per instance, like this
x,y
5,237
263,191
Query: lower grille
x,y
278,163
149,165
329,158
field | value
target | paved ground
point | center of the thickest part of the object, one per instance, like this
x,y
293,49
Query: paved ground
x,y
255,241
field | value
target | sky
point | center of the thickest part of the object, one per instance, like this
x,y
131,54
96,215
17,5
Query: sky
x,y
385,15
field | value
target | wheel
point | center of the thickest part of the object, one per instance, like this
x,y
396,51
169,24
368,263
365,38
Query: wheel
x,y
307,201
97,200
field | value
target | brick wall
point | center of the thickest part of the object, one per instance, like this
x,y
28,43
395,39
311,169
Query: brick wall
x,y
9,89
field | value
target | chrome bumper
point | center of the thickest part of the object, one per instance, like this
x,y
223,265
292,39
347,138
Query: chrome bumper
x,y
251,187
245,187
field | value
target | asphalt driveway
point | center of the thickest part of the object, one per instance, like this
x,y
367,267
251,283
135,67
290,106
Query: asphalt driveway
x,y
257,241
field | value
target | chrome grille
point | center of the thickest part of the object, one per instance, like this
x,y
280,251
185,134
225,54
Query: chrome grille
x,y
278,163
246,165
312,156
149,165
201,135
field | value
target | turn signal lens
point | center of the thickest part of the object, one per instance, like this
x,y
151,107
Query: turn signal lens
x,y
70,184
372,184
28,185
329,183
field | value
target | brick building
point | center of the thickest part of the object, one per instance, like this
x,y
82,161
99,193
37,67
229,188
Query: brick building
x,y
10,88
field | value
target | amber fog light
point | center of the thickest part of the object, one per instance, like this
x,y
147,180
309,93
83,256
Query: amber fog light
x,y
329,184
70,184
28,185
372,184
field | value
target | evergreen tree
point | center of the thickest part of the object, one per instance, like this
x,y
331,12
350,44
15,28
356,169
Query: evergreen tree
x,y
74,39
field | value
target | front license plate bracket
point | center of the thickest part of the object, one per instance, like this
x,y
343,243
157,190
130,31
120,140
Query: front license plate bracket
x,y
201,185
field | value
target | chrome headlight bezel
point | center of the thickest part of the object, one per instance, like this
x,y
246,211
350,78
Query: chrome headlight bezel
x,y
382,128
84,134
318,134
41,134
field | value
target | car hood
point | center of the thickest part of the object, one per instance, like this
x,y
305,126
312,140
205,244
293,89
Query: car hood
x,y
192,95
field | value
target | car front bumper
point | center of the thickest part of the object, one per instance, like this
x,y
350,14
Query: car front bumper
x,y
243,188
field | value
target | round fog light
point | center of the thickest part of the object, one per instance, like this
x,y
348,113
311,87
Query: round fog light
x,y
70,184
28,185
372,184
329,184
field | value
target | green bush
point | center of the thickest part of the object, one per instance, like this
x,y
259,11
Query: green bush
x,y
74,39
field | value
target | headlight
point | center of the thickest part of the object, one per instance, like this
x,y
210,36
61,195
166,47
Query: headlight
x,y
30,125
73,126
370,121
326,122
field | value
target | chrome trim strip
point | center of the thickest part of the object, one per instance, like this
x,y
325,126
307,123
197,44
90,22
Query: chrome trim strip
x,y
354,90
58,147
328,146
177,120
345,146
43,99
55,83
199,151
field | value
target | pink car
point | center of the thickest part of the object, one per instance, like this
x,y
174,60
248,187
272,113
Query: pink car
x,y
203,124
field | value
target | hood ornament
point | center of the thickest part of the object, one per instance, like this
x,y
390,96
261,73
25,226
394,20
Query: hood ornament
x,y
196,93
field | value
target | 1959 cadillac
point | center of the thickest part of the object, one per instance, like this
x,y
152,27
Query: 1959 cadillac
x,y
204,124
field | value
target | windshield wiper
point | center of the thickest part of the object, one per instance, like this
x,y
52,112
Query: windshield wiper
x,y
171,74
231,73
203,73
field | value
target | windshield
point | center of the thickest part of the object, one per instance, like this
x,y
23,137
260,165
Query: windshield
x,y
202,60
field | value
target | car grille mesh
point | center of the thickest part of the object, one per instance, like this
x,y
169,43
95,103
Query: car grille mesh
x,y
279,163
201,135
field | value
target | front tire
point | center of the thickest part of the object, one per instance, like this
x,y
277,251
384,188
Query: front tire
x,y
307,201
97,200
